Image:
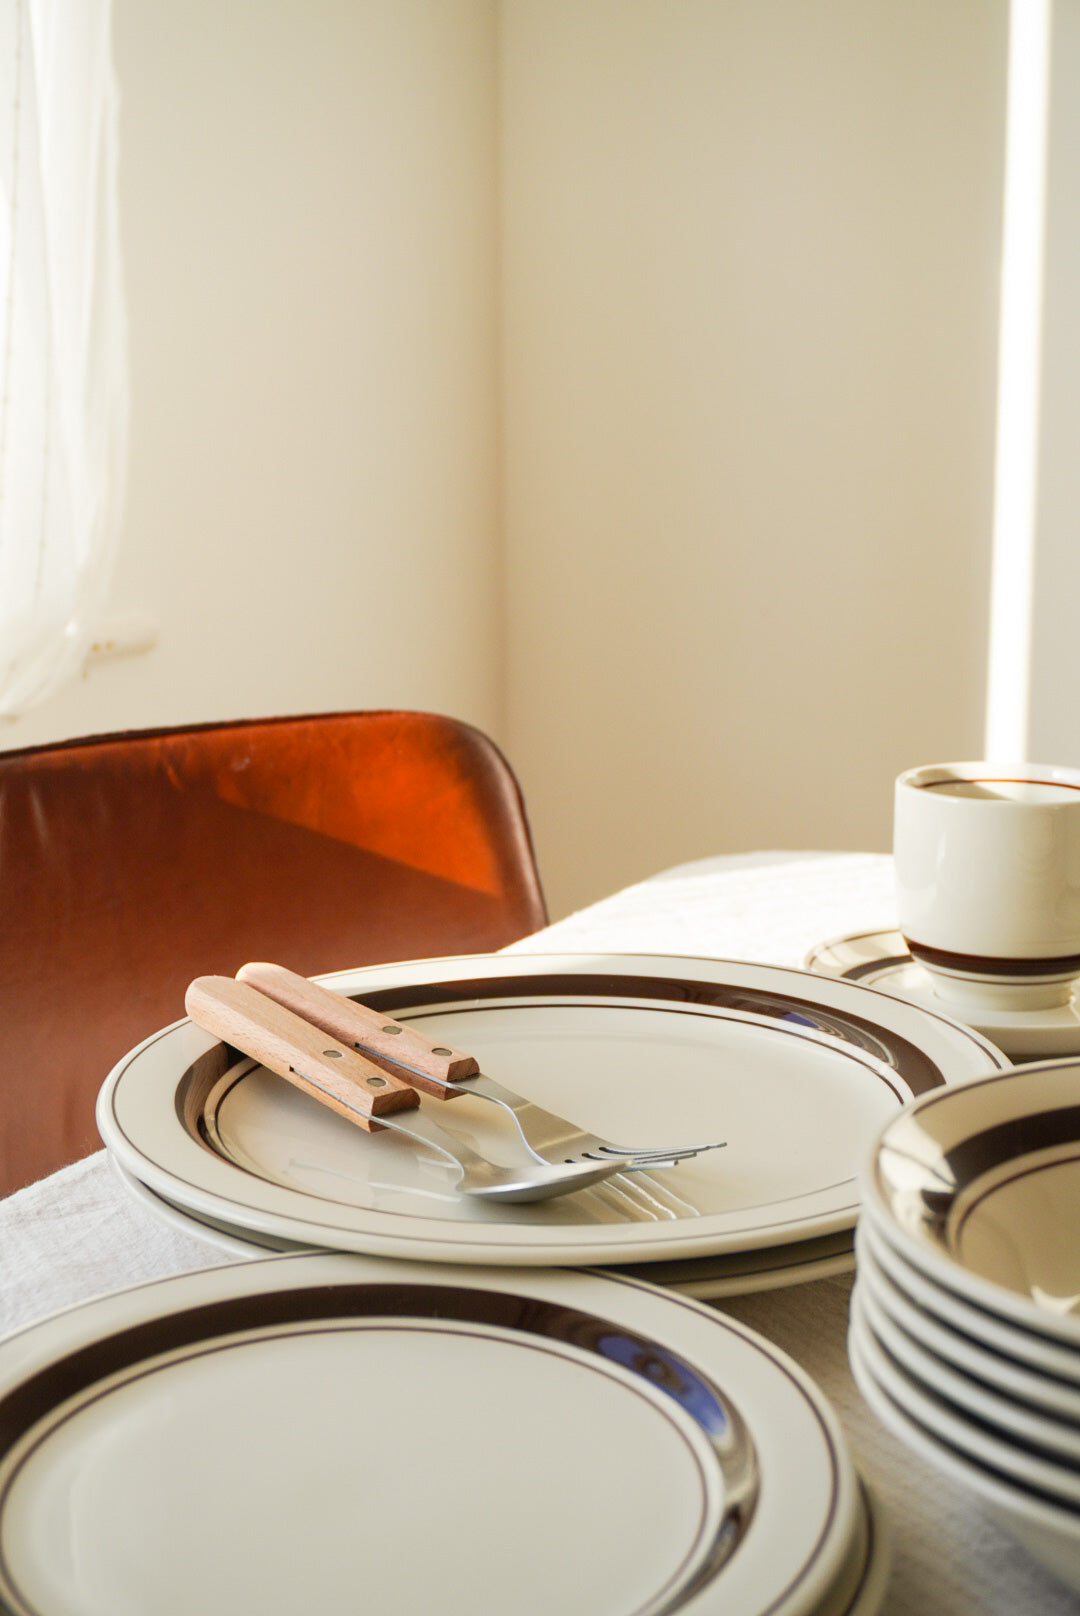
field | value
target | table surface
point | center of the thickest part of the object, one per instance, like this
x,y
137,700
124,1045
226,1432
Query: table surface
x,y
79,1233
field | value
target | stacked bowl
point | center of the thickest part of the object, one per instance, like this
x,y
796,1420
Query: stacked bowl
x,y
965,1321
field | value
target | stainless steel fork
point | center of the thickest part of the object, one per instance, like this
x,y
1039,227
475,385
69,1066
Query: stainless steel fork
x,y
443,1071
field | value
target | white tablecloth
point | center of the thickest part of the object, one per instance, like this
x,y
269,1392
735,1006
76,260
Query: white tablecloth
x,y
77,1233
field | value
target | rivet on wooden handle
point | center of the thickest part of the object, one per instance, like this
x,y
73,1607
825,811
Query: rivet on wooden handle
x,y
391,1044
296,1050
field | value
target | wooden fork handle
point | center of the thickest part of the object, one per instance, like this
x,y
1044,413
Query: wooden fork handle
x,y
396,1047
301,1053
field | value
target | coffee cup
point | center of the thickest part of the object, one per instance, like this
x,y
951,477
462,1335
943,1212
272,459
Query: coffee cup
x,y
987,860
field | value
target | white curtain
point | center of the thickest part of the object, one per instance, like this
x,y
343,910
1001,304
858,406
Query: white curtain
x,y
63,366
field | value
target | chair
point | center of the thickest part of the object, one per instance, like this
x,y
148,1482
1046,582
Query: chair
x,y
131,863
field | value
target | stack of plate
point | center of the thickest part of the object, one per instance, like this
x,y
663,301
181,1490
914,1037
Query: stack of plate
x,y
337,1433
797,1073
965,1325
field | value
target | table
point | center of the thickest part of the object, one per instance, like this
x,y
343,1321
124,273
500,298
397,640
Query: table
x,y
77,1233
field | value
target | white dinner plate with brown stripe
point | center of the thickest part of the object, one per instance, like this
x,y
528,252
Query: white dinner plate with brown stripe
x,y
735,1273
337,1433
796,1072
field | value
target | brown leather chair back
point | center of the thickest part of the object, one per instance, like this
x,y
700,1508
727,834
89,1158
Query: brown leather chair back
x,y
131,863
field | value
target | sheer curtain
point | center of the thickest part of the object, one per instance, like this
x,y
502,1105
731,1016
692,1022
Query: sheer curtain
x,y
63,368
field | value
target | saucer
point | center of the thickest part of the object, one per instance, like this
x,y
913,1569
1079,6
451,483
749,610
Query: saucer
x,y
879,959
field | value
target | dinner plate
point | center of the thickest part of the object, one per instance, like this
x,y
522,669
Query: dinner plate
x,y
860,1585
708,1278
979,1187
331,1432
238,1243
880,959
1048,1529
862,1592
796,1073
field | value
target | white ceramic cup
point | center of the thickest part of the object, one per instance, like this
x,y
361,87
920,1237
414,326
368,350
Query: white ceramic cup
x,y
987,862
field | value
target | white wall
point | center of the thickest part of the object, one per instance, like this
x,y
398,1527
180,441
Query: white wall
x,y
731,441
308,218
751,257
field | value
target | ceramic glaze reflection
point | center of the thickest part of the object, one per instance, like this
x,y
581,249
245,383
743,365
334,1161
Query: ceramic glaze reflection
x,y
1018,1225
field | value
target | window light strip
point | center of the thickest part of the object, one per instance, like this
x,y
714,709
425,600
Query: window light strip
x,y
1019,352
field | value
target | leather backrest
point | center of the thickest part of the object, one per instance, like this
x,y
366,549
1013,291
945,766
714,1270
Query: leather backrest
x,y
131,863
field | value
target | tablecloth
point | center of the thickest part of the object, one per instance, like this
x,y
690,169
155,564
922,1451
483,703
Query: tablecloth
x,y
78,1233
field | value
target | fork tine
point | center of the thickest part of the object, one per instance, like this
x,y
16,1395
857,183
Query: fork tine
x,y
644,1163
654,1154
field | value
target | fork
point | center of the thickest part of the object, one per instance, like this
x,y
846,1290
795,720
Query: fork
x,y
364,1093
444,1072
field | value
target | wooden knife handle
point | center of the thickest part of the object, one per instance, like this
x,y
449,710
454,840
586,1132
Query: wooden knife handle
x,y
301,1053
426,1064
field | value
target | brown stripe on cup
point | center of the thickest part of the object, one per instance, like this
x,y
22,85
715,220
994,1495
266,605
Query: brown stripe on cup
x,y
1062,965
